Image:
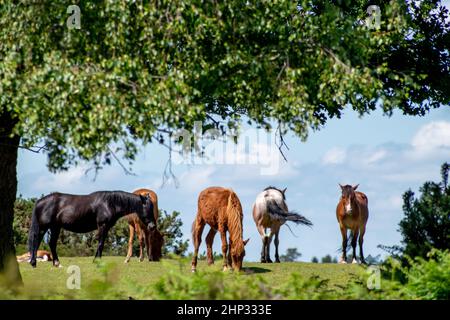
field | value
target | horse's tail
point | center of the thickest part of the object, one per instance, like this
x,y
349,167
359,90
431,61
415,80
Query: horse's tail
x,y
195,225
33,236
274,208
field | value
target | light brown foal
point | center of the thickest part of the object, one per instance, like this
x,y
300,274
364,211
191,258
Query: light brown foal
x,y
152,241
352,213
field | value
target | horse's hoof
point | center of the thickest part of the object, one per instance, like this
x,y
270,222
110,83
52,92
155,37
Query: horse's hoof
x,y
126,261
193,270
225,268
343,262
263,261
269,261
277,261
354,261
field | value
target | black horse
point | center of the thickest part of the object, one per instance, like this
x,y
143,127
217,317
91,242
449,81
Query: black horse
x,y
84,213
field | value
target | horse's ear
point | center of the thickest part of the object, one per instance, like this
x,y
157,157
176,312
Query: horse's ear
x,y
342,187
142,198
284,190
246,241
355,187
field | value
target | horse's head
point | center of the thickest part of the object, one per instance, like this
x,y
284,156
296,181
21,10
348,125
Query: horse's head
x,y
348,197
156,244
237,254
147,216
281,192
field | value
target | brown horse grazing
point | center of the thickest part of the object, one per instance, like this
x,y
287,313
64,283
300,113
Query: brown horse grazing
x,y
151,240
222,210
352,213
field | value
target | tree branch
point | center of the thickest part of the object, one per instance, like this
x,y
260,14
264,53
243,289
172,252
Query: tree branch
x,y
128,172
347,68
280,143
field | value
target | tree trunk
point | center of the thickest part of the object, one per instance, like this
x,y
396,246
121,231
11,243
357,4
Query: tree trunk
x,y
9,269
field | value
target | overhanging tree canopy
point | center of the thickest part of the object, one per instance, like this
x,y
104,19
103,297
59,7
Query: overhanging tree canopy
x,y
138,67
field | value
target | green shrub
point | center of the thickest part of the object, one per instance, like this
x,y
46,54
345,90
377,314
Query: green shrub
x,y
429,279
210,286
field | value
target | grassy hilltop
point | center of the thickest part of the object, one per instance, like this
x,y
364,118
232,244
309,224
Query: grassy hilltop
x,y
172,279
128,280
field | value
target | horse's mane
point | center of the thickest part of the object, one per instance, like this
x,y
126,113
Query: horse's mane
x,y
275,188
128,201
235,216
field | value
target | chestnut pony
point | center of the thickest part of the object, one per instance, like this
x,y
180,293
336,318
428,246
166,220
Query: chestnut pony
x,y
352,213
222,210
151,240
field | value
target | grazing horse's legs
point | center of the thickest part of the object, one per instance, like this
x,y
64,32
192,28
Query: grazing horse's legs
x,y
268,242
53,241
362,231
355,234
263,238
266,249
230,261
102,233
209,242
223,236
130,244
277,242
148,243
141,237
35,245
344,244
199,224
263,250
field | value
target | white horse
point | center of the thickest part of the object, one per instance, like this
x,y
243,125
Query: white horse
x,y
270,211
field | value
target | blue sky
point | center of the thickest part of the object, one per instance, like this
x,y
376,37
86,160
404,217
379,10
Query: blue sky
x,y
385,155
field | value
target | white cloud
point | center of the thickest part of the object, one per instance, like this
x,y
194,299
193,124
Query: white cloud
x,y
376,156
431,136
63,181
335,155
198,178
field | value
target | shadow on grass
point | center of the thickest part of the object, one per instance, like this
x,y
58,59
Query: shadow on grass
x,y
252,270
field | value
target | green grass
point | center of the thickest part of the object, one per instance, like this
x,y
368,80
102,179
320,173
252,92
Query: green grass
x,y
112,272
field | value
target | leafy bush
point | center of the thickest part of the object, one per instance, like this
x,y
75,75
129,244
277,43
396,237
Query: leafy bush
x,y
170,225
430,279
426,224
